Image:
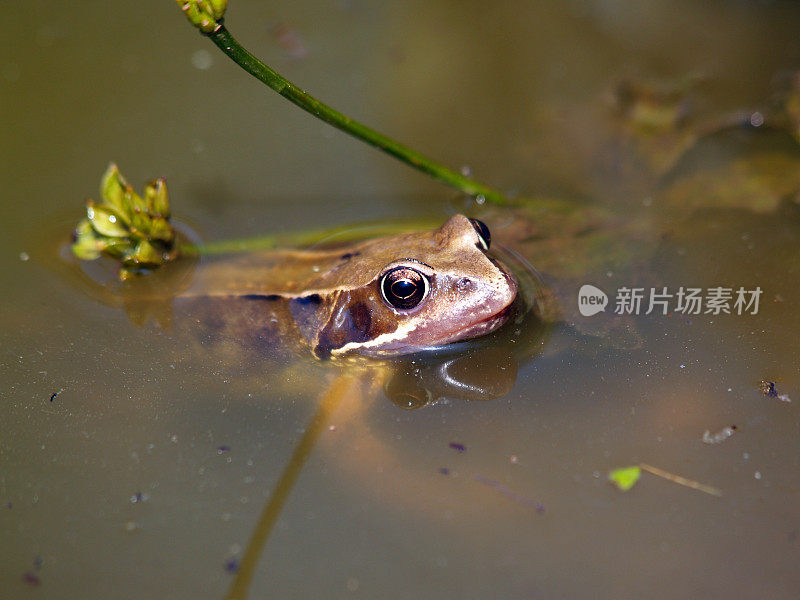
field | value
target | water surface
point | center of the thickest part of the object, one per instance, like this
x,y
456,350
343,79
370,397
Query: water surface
x,y
146,474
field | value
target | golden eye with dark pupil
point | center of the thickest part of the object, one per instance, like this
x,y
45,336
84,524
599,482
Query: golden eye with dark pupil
x,y
483,233
404,287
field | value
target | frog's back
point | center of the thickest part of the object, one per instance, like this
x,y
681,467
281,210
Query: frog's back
x,y
227,326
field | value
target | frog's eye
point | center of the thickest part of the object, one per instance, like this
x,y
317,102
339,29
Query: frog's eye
x,y
404,287
483,233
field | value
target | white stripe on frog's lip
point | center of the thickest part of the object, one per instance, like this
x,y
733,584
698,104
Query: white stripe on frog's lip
x,y
378,346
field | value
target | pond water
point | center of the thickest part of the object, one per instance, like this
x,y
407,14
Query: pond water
x,y
656,143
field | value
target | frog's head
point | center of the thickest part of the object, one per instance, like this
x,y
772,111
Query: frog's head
x,y
409,292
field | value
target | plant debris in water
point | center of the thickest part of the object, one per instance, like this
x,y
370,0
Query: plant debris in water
x,y
509,493
126,226
720,436
768,389
626,477
232,565
458,447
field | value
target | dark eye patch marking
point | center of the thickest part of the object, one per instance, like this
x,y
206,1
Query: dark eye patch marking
x,y
310,299
268,297
361,318
348,324
357,318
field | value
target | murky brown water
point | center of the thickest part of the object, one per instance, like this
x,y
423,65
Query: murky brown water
x,y
147,474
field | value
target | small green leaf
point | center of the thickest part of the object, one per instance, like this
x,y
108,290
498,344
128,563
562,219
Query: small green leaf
x,y
140,224
625,477
157,198
116,247
112,189
105,220
85,246
219,7
145,254
135,200
160,230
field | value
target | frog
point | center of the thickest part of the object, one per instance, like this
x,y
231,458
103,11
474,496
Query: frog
x,y
381,297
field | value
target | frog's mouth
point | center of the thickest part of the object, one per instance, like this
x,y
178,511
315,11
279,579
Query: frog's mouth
x,y
484,326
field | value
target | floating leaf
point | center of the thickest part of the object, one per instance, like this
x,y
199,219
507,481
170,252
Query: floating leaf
x,y
625,477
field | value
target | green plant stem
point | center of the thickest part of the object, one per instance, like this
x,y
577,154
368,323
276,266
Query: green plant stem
x,y
226,42
344,234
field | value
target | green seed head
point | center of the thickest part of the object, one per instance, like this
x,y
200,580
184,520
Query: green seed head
x,y
127,227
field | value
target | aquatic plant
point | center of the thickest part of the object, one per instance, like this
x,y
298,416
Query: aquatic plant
x,y
126,226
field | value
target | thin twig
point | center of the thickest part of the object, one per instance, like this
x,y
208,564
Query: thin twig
x,y
695,485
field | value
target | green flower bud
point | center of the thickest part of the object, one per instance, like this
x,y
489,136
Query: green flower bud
x,y
145,255
160,229
112,190
140,224
157,198
135,200
204,14
219,7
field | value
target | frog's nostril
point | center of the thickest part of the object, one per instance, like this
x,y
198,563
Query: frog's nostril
x,y
464,284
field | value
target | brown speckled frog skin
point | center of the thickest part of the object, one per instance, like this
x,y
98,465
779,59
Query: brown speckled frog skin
x,y
343,301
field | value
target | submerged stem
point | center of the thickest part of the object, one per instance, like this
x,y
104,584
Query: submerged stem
x,y
344,386
226,42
